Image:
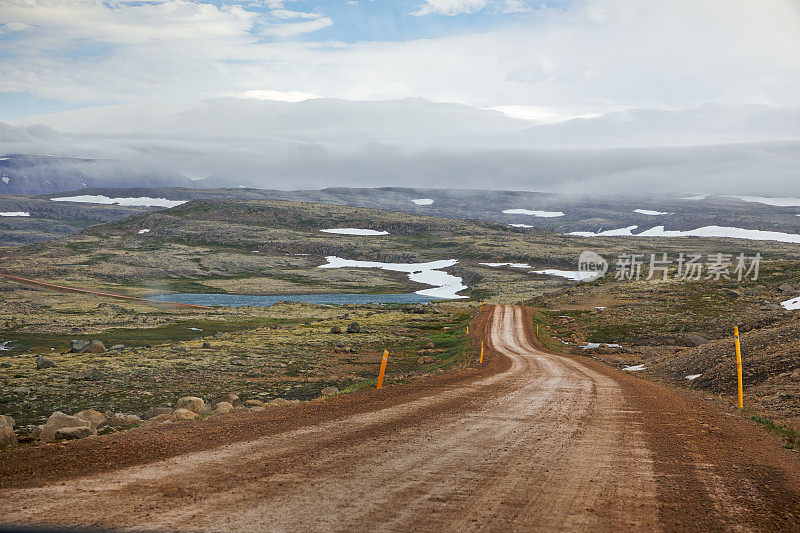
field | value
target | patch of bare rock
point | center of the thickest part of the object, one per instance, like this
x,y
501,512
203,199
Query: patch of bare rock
x,y
87,423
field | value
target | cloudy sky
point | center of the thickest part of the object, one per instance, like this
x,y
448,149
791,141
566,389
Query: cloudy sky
x,y
77,64
570,56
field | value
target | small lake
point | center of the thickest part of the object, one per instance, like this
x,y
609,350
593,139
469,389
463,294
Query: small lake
x,y
239,300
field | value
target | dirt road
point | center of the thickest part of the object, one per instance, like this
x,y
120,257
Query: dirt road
x,y
552,443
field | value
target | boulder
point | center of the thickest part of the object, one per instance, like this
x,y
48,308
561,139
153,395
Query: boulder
x,y
95,418
59,420
94,347
44,362
329,391
232,398
223,408
162,418
122,420
92,375
258,408
253,403
281,402
117,347
795,375
426,360
207,345
77,346
336,330
7,435
184,414
158,411
353,327
695,340
80,432
192,403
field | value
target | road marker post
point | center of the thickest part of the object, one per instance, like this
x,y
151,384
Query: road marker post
x,y
481,361
467,330
384,360
738,364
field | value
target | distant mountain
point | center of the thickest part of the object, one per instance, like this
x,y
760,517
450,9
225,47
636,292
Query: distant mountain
x,y
40,174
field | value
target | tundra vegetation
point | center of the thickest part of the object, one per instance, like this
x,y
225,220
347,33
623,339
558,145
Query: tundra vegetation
x,y
154,355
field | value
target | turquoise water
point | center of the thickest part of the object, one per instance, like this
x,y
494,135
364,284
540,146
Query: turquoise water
x,y
239,300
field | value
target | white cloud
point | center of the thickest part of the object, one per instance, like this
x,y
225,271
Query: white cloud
x,y
450,7
278,96
592,57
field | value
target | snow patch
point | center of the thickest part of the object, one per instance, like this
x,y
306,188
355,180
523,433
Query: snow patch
x,y
4,345
634,368
143,201
445,285
512,265
706,231
791,305
14,214
542,214
423,201
143,231
777,202
651,213
194,329
692,377
591,345
6,180
354,231
529,226
573,275
696,197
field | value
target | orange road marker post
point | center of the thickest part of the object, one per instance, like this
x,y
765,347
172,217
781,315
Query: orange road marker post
x,y
384,360
481,361
467,330
738,365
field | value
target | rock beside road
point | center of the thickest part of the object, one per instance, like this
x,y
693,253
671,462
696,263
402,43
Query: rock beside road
x,y
59,420
77,346
329,391
353,327
94,347
118,420
696,340
44,362
184,414
72,433
7,435
191,403
222,408
232,398
95,418
281,402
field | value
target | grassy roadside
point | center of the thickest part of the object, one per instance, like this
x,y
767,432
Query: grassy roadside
x,y
285,351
